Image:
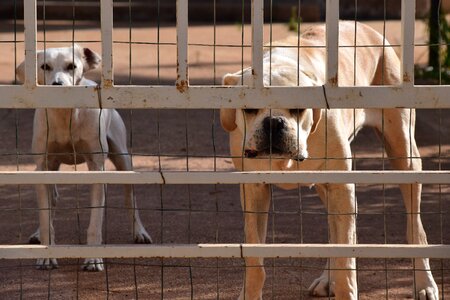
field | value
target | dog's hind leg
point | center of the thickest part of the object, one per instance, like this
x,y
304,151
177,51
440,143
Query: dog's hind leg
x,y
122,161
140,235
255,201
400,144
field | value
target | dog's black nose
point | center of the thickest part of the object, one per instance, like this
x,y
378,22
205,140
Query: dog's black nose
x,y
299,158
57,83
250,153
273,126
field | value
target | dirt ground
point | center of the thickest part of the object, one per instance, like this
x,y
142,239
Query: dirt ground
x,y
194,140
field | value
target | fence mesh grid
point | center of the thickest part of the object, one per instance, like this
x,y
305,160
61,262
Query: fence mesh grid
x,y
219,42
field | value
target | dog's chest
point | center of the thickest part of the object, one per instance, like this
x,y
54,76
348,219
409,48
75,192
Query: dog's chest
x,y
65,130
63,138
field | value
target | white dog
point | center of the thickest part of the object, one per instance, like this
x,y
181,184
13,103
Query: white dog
x,y
74,136
300,139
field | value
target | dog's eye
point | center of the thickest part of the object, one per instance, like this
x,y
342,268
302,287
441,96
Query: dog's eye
x,y
46,67
251,111
71,66
296,111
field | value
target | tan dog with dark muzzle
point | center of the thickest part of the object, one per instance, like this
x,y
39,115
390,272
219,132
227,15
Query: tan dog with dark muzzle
x,y
300,139
74,136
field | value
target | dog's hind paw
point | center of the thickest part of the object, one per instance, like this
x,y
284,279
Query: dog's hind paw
x,y
429,293
46,264
142,237
321,287
426,287
35,238
93,265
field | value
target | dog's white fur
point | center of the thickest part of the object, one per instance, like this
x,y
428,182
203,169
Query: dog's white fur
x,y
74,136
313,134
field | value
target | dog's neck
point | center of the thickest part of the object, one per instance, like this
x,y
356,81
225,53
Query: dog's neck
x,y
65,114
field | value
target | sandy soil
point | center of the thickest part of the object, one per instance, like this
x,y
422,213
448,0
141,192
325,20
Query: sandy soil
x,y
207,213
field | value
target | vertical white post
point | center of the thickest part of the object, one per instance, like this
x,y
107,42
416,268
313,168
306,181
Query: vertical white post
x,y
107,43
257,42
30,42
332,44
182,45
408,22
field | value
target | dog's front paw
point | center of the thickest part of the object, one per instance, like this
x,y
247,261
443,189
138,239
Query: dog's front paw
x,y
35,238
426,287
142,237
46,263
321,287
93,265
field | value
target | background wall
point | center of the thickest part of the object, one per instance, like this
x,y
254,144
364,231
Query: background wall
x,y
226,10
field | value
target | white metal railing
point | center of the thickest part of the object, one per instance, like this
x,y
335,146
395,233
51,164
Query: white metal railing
x,y
182,95
222,177
225,251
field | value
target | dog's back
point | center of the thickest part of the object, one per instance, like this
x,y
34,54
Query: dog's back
x,y
308,53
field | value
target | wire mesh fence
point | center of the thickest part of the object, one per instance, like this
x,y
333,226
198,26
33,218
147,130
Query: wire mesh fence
x,y
180,154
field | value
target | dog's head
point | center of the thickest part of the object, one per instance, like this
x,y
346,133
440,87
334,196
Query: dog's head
x,y
271,132
62,66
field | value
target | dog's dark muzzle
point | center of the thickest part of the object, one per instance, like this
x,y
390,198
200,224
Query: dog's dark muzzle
x,y
274,136
248,153
274,140
274,128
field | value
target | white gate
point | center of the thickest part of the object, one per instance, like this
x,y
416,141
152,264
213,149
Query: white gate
x,y
182,95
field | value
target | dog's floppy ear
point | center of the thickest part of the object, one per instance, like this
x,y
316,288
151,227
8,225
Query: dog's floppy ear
x,y
228,115
317,115
228,119
231,79
91,60
20,71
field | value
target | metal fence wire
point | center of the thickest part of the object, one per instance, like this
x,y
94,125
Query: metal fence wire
x,y
68,158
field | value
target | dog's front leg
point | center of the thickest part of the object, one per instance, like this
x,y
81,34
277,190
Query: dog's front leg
x,y
35,237
255,201
94,232
46,231
339,276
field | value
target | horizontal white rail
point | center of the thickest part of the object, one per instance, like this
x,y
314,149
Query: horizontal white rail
x,y
225,251
13,96
192,177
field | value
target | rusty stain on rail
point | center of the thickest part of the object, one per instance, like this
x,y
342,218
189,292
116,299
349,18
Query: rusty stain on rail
x,y
182,86
108,83
406,77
